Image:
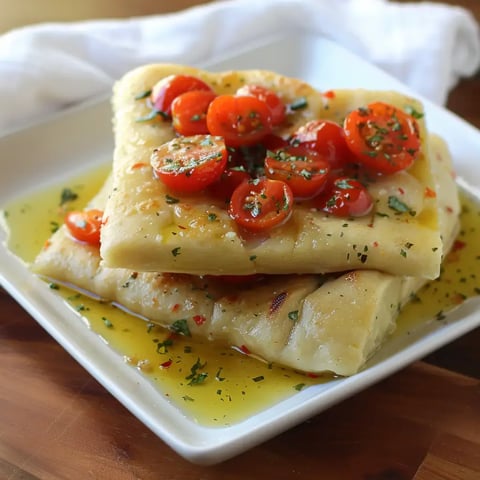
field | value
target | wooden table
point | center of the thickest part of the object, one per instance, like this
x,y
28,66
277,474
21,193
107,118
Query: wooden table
x,y
57,422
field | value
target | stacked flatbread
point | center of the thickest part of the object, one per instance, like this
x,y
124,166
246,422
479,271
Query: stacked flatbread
x,y
323,304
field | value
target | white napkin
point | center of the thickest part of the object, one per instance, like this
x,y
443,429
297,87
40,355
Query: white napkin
x,y
48,67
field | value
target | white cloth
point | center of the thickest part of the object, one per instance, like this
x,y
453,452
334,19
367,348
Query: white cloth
x,y
47,67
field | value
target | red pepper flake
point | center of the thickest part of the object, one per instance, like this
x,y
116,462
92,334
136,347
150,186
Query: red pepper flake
x,y
181,227
429,193
277,302
401,190
458,299
312,375
375,243
138,165
175,307
244,349
449,209
329,94
166,364
47,244
199,319
458,245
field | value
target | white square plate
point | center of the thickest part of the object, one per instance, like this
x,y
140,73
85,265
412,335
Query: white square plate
x,y
72,142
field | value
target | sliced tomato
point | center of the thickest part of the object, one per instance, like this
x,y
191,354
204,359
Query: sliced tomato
x,y
169,88
229,180
239,120
190,164
304,170
274,142
328,139
382,137
85,225
189,112
261,204
275,104
345,197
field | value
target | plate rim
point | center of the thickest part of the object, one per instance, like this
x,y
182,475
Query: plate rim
x,y
232,441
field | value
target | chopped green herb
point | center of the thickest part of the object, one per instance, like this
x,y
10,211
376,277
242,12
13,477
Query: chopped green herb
x,y
150,327
150,116
171,200
299,103
107,322
176,251
212,217
181,327
54,226
217,375
299,386
162,347
293,315
398,206
414,113
54,286
196,377
142,95
67,195
260,378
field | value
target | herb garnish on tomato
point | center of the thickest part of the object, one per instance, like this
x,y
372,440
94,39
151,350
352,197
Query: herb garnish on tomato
x,y
382,137
190,164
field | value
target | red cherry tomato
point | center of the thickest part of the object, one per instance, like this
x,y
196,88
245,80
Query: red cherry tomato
x,y
240,120
274,142
328,139
275,104
261,204
189,112
85,225
190,164
229,180
304,170
167,89
345,197
382,137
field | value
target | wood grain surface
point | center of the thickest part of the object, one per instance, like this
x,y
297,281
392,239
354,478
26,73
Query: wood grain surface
x,y
423,423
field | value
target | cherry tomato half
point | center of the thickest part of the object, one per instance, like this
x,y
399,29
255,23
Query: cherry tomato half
x,y
261,204
383,138
167,89
328,139
345,197
190,164
304,170
189,112
275,104
85,225
239,120
229,180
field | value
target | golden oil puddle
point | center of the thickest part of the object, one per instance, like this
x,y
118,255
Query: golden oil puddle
x,y
215,385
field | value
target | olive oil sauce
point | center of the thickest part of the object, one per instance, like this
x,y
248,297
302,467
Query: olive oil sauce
x,y
215,386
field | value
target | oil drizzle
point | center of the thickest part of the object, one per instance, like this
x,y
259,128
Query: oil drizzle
x,y
217,386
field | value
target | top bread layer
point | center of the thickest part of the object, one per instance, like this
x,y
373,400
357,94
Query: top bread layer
x,y
145,231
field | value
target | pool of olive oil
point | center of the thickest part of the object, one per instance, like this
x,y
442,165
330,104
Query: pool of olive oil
x,y
214,385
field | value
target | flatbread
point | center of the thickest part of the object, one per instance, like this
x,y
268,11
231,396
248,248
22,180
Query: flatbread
x,y
312,323
146,232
